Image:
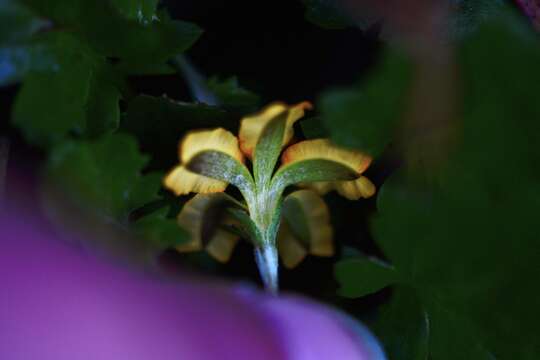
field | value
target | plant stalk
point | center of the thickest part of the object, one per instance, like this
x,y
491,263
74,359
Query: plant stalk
x,y
266,258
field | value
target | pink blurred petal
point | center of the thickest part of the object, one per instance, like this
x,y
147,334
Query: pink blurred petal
x,y
60,303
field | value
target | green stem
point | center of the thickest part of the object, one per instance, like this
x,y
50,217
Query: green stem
x,y
266,258
265,213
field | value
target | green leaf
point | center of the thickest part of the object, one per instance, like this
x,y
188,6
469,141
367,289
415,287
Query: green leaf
x,y
141,69
365,117
313,128
231,94
326,14
160,230
104,174
78,97
363,276
268,148
144,11
145,190
159,122
466,240
17,23
403,325
311,170
468,15
18,53
220,166
114,34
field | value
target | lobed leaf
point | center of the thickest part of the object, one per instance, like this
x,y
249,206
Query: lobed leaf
x,y
105,174
365,117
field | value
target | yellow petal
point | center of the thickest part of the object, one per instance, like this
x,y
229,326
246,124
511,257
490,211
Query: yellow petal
x,y
291,251
324,149
352,190
251,127
293,247
191,218
318,220
320,187
222,245
356,189
217,139
182,181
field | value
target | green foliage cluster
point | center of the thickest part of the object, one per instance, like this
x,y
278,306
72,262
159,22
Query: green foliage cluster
x,y
73,58
461,241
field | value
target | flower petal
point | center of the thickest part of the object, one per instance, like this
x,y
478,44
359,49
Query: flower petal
x,y
182,181
354,190
291,251
217,140
320,187
324,149
306,226
251,127
222,245
192,217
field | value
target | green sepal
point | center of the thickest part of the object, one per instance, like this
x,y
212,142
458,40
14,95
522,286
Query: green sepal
x,y
220,166
213,213
293,214
311,170
268,148
248,229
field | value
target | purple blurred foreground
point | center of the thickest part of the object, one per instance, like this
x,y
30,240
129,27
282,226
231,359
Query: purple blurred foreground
x,y
57,302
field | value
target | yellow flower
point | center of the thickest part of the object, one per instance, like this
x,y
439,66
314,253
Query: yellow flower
x,y
298,224
358,162
182,181
305,228
251,127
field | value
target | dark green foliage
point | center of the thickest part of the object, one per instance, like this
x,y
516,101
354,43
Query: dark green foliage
x,y
106,173
364,276
231,94
159,123
17,51
313,128
144,11
110,28
77,95
403,325
464,243
63,50
161,231
365,117
326,14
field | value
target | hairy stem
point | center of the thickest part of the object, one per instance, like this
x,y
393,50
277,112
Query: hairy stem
x,y
266,258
